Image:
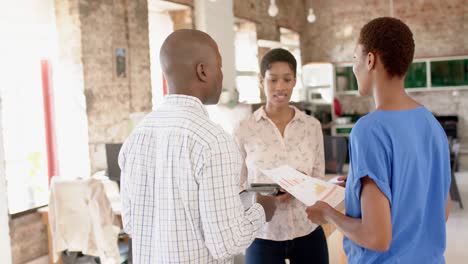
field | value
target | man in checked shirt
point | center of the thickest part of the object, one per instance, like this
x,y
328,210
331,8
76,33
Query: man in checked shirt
x,y
180,171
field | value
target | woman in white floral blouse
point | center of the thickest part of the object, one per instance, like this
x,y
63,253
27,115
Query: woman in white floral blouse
x,y
274,135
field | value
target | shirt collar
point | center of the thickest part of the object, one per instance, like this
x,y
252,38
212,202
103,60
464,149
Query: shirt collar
x,y
185,100
260,113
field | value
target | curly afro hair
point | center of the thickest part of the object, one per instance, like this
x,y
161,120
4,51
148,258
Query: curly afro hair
x,y
392,41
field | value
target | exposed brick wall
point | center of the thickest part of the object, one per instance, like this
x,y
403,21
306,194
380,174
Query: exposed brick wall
x,y
110,100
139,59
292,14
28,238
465,25
440,28
333,35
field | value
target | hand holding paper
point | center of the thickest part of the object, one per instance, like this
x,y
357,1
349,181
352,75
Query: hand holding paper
x,y
315,213
306,189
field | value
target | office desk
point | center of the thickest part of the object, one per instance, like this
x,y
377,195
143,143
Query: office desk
x,y
69,204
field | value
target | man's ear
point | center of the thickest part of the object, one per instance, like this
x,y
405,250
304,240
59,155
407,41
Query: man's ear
x,y
371,60
201,72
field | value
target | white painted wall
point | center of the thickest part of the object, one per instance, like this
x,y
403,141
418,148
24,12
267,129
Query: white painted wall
x,y
217,19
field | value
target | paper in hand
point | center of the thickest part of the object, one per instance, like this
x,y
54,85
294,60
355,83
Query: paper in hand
x,y
306,189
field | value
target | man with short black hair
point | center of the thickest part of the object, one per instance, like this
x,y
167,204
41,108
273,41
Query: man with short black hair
x,y
180,171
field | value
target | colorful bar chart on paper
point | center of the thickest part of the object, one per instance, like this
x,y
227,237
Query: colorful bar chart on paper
x,y
305,188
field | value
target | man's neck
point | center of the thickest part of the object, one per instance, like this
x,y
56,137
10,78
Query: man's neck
x,y
194,92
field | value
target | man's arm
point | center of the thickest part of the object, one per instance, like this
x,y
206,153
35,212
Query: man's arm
x,y
240,144
125,193
373,230
228,228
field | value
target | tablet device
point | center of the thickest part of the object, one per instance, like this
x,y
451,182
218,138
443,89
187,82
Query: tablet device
x,y
265,188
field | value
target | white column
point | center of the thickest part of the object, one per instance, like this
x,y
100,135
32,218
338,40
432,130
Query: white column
x,y
160,27
71,120
5,248
217,19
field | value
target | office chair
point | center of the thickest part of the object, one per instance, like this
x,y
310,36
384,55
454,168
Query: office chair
x,y
336,151
112,155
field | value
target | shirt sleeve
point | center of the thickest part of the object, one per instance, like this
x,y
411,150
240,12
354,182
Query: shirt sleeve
x,y
240,143
125,191
370,155
228,228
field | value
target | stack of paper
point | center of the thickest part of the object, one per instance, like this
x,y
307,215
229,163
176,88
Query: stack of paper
x,y
305,188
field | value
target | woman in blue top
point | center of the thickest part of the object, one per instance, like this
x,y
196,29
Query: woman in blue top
x,y
397,198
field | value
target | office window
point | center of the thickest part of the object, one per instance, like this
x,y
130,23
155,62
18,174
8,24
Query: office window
x,y
345,79
23,125
416,76
449,73
246,52
290,40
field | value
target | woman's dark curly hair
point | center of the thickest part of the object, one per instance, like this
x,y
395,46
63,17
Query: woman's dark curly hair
x,y
392,41
277,55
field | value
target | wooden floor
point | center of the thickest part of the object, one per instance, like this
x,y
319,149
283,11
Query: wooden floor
x,y
457,226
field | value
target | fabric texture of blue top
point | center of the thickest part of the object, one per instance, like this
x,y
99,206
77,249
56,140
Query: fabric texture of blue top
x,y
406,153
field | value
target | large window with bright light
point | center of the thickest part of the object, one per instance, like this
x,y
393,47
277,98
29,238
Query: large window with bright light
x,y
160,25
290,40
247,61
29,36
246,49
26,42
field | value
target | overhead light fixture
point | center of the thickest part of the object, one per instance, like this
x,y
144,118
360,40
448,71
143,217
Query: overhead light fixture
x,y
273,9
311,16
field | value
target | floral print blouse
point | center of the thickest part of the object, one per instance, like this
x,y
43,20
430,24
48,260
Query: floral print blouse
x,y
263,147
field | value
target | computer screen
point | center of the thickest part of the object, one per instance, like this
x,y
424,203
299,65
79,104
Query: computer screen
x,y
112,155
